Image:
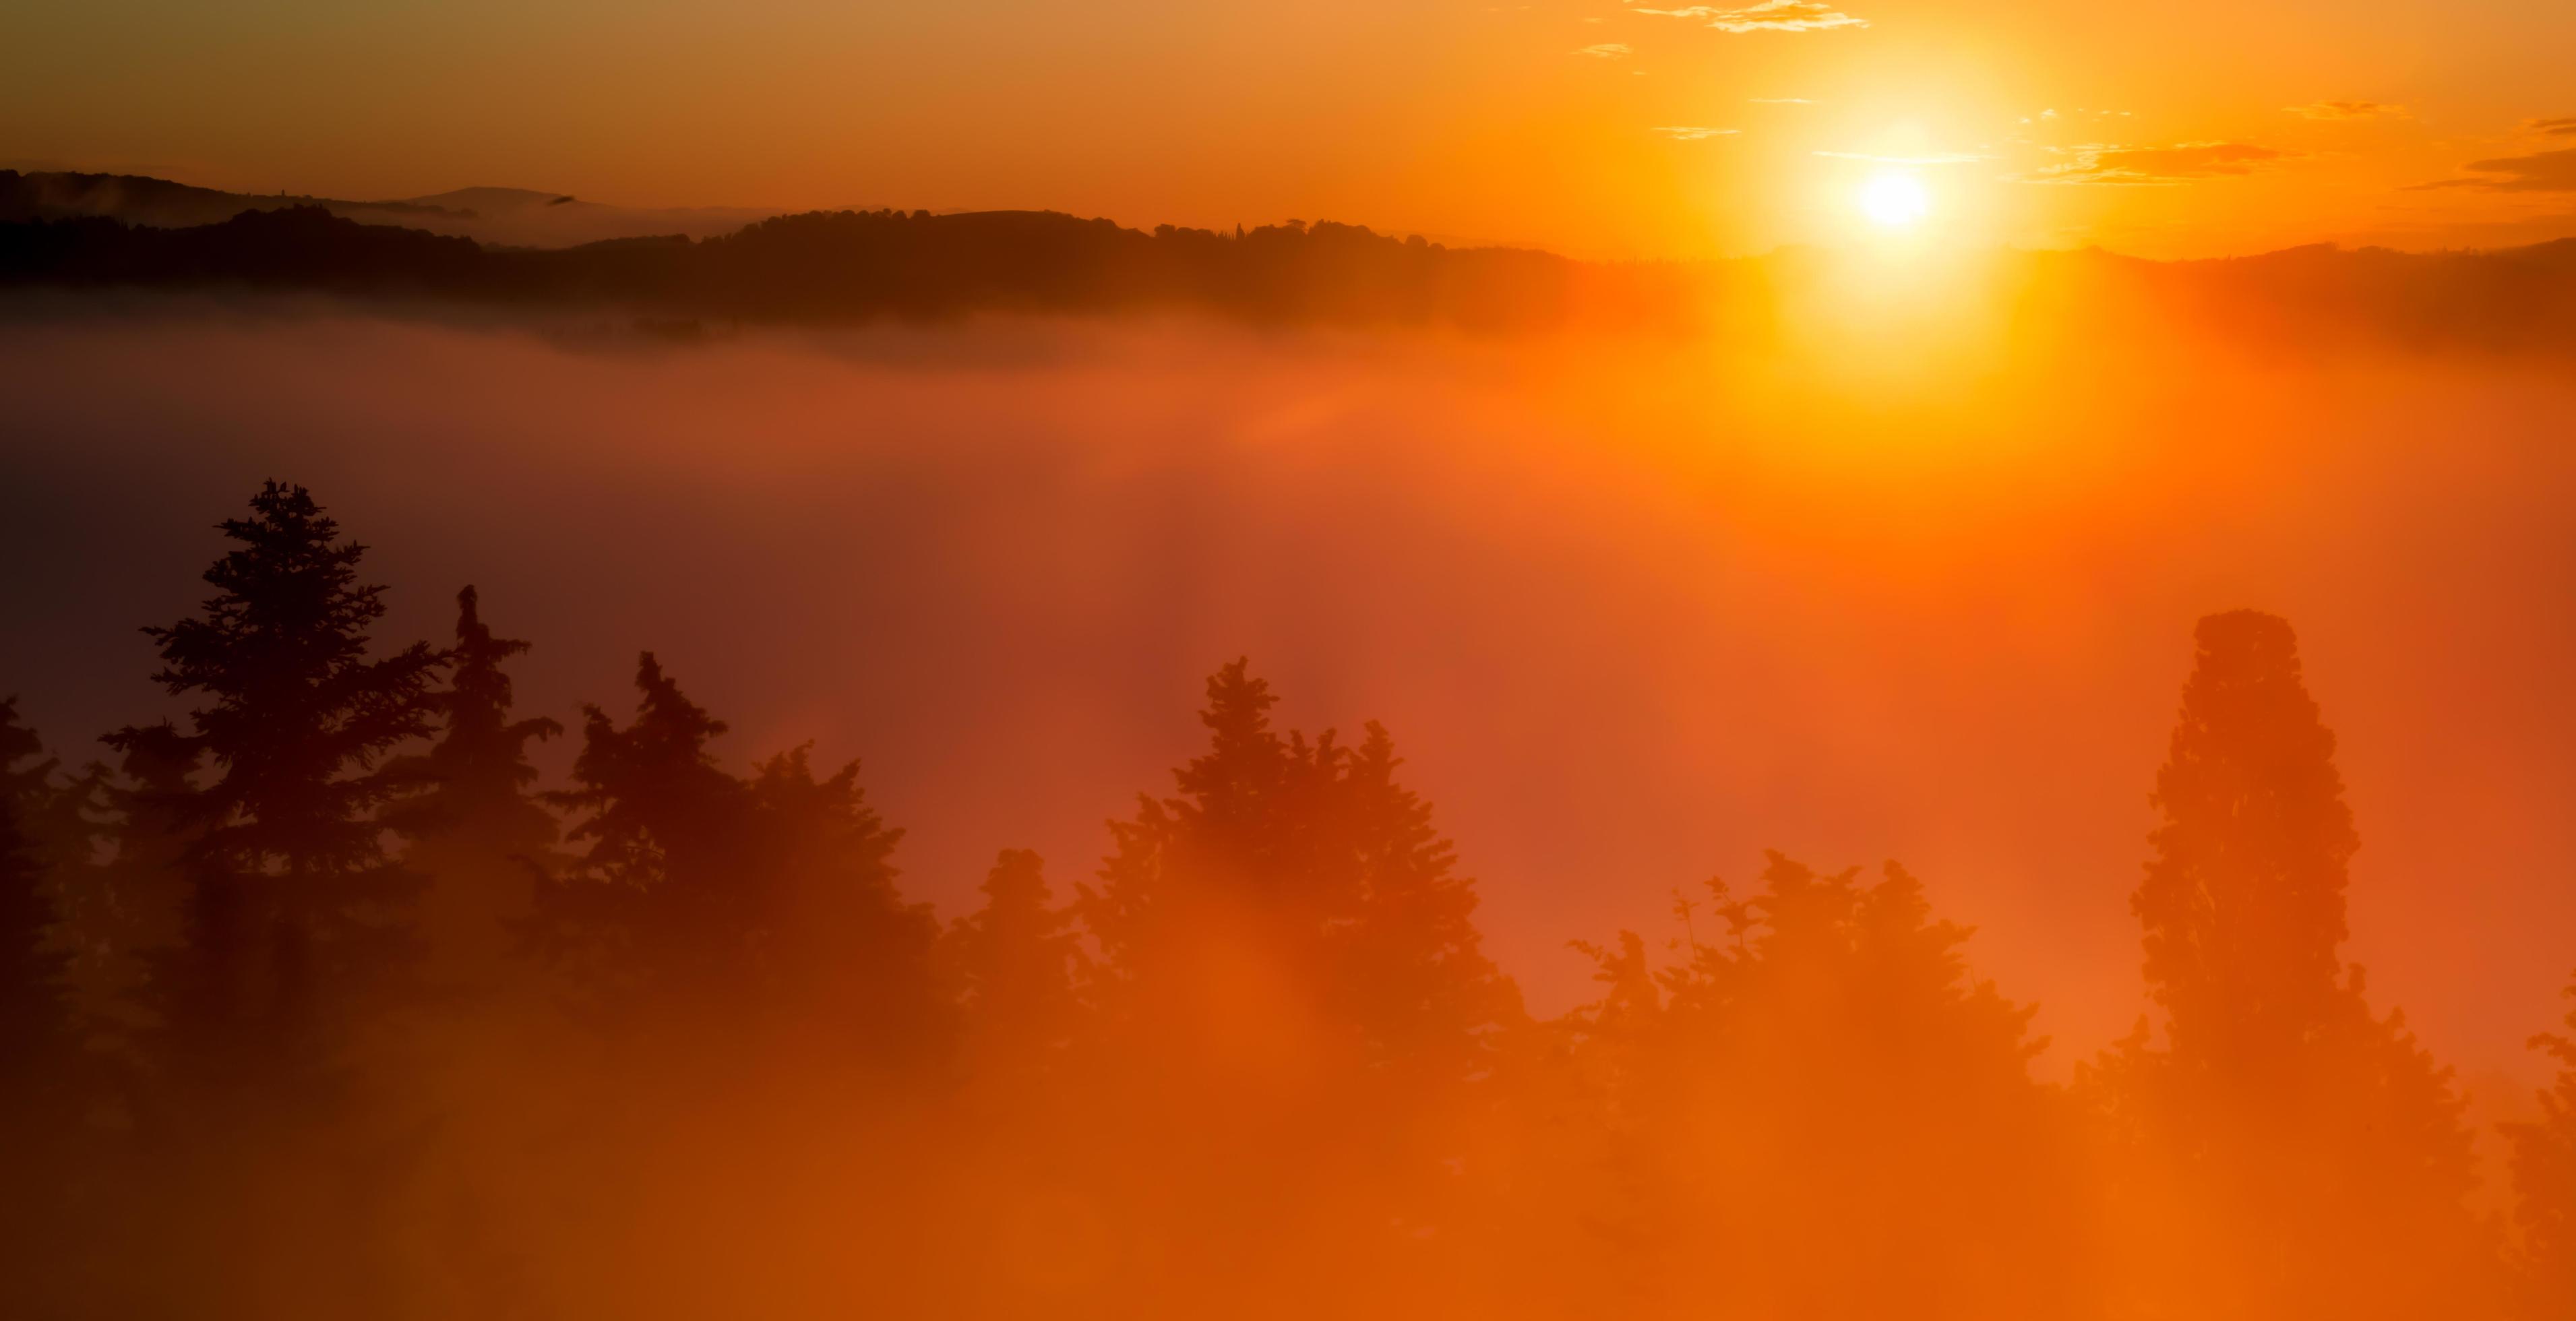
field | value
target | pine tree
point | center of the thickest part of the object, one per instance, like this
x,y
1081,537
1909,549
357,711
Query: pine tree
x,y
645,904
1413,965
39,1053
58,828
2317,1147
290,894
1018,962
1290,970
1316,863
847,962
475,828
138,891
2544,1181
761,916
35,1019
1754,1135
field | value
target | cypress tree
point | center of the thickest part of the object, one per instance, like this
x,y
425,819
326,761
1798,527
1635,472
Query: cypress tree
x,y
2243,898
2314,1149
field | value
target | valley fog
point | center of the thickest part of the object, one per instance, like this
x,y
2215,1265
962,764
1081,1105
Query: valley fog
x,y
1634,612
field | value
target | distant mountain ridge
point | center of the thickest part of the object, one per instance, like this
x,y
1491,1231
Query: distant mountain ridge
x,y
859,265
505,217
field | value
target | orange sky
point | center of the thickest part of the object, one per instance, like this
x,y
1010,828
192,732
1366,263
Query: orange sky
x,y
2185,128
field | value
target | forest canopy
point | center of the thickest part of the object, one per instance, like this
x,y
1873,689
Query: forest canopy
x,y
322,998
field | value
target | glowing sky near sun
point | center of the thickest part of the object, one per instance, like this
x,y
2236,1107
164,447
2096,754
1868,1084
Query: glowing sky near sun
x,y
1589,126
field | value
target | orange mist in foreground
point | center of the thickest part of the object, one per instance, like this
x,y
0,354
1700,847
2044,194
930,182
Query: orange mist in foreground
x,y
365,987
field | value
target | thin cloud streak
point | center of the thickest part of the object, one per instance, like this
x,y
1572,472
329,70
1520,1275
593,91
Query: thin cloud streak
x,y
2105,163
1937,158
2540,172
2340,110
1769,16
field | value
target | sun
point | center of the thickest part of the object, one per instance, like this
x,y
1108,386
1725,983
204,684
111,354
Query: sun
x,y
1895,199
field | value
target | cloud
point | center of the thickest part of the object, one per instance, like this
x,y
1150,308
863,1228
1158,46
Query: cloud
x,y
2349,110
1768,16
2105,163
1690,133
2051,115
2540,172
1608,50
1936,158
1778,100
2555,127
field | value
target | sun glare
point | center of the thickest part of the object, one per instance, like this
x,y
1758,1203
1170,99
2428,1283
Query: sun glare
x,y
1895,199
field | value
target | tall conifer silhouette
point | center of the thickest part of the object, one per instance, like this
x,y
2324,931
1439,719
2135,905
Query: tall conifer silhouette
x,y
56,810
290,889
476,828
717,896
844,958
60,821
2243,900
1286,947
1018,962
1413,965
40,1103
2295,1149
35,1012
2544,1180
1745,1099
644,902
138,891
1316,855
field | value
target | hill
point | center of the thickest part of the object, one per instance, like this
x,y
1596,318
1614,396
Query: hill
x,y
506,217
856,265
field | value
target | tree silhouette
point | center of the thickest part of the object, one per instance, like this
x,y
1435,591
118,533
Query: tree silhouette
x,y
846,959
475,826
1285,945
1018,962
1261,1062
1752,1135
267,1013
136,894
290,891
1412,966
699,894
2288,1148
2243,900
643,906
39,1046
59,827
35,1011
1324,867
2544,1180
